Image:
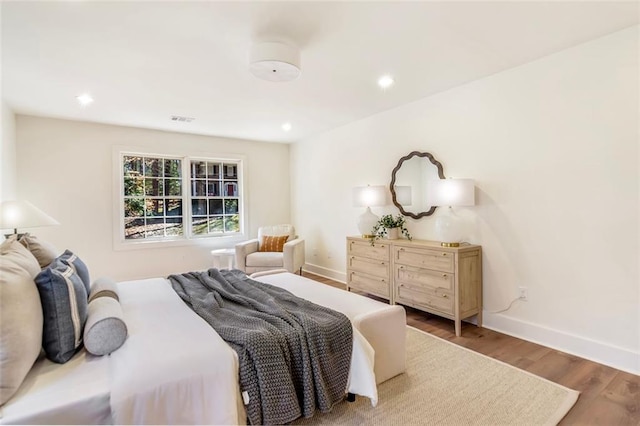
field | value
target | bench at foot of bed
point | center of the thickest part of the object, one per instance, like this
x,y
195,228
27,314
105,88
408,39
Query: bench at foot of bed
x,y
384,326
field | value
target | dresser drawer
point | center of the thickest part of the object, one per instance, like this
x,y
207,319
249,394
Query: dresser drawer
x,y
378,268
425,298
368,284
420,277
425,258
378,251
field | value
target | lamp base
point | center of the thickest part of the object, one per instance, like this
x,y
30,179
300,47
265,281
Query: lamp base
x,y
366,222
450,244
368,236
448,229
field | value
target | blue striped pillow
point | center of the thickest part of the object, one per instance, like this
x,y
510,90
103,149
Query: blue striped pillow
x,y
64,307
70,259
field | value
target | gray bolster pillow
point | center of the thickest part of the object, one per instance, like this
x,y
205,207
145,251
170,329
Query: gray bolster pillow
x,y
103,287
105,329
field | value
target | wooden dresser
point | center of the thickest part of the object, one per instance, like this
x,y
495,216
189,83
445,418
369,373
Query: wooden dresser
x,y
369,267
445,281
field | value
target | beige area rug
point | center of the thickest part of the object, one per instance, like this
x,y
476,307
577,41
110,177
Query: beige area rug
x,y
446,384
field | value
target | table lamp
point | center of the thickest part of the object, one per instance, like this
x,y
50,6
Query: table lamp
x,y
18,214
450,193
368,196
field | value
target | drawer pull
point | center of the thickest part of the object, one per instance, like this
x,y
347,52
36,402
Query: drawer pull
x,y
446,296
401,249
401,267
444,254
382,263
444,276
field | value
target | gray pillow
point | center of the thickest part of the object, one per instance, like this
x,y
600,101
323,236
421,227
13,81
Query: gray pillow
x,y
70,259
44,252
64,305
20,317
103,287
105,330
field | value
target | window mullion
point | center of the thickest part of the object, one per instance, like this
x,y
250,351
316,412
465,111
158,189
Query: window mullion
x,y
186,196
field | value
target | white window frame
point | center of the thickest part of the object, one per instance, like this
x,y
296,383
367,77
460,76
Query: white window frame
x,y
188,238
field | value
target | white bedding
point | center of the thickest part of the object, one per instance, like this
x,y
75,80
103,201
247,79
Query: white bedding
x,y
75,392
173,369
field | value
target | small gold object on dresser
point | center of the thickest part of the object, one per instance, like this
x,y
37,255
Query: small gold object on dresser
x,y
445,281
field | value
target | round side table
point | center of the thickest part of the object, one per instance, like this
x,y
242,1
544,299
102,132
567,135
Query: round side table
x,y
223,258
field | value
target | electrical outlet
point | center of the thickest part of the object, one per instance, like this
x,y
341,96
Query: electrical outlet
x,y
524,293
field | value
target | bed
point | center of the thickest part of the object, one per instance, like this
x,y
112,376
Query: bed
x,y
174,369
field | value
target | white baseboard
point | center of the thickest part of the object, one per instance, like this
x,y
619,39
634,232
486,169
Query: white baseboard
x,y
325,272
603,353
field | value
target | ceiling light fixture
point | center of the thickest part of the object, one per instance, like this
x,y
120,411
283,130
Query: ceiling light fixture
x,y
286,126
84,99
274,61
385,81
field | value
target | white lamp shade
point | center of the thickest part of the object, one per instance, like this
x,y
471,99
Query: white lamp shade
x,y
450,192
23,214
370,196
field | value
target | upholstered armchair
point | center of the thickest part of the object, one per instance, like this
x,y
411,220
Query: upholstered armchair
x,y
252,255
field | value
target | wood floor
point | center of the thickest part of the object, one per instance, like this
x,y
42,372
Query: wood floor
x,y
607,396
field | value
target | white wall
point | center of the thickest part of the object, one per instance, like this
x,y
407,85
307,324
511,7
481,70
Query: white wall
x,y
66,169
553,148
7,154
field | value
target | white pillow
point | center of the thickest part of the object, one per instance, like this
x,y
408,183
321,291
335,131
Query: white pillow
x,y
43,251
21,319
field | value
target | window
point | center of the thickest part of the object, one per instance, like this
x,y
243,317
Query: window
x,y
215,197
173,198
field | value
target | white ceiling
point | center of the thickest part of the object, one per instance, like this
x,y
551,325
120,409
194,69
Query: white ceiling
x,y
145,61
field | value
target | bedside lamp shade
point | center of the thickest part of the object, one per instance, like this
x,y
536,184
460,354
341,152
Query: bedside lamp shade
x,y
451,193
23,214
368,196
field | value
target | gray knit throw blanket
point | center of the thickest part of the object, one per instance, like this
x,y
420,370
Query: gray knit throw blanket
x,y
294,355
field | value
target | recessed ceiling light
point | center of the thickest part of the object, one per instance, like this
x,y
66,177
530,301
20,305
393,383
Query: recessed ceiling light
x,y
286,126
84,99
385,81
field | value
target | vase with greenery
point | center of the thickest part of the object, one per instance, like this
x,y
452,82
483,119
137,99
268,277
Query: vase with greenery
x,y
386,223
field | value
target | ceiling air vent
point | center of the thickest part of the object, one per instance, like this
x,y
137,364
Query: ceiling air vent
x,y
181,119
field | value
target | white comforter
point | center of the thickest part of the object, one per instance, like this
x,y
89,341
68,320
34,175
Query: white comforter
x,y
175,369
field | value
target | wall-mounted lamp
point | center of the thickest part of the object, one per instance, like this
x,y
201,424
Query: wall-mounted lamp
x,y
22,214
368,196
451,193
